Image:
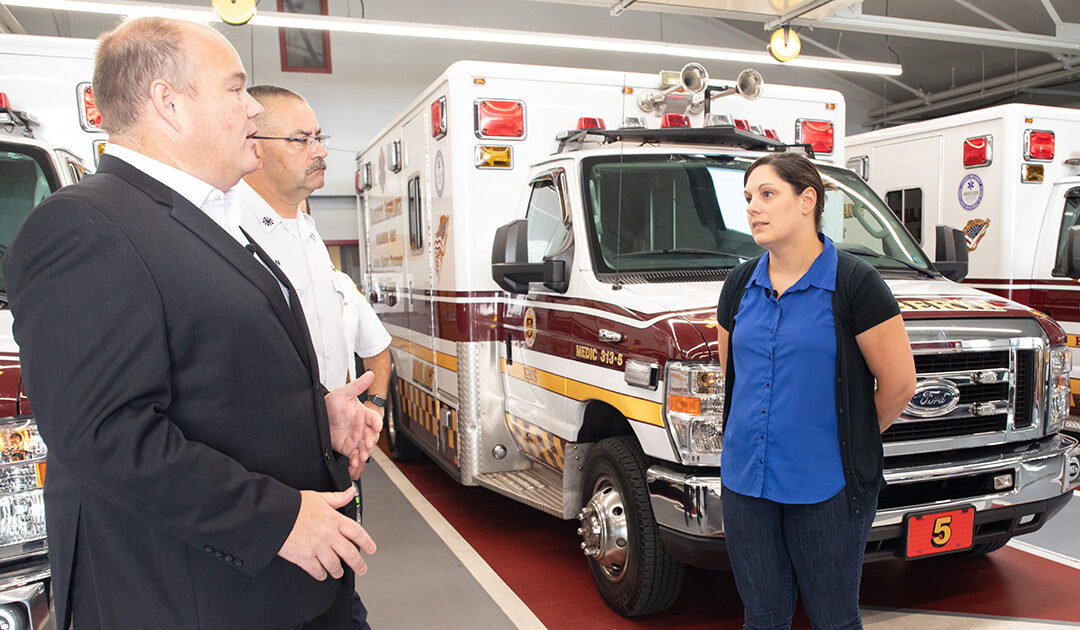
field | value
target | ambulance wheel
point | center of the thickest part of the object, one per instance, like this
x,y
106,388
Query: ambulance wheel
x,y
630,566
401,448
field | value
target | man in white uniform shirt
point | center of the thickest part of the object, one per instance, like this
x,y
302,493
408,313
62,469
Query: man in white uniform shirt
x,y
291,151
292,166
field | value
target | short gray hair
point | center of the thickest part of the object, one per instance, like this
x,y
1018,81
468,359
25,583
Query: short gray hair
x,y
263,93
129,59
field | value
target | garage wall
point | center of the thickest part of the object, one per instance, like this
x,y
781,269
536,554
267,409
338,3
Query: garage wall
x,y
375,77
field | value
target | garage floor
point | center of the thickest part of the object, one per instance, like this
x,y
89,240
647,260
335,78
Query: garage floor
x,y
460,557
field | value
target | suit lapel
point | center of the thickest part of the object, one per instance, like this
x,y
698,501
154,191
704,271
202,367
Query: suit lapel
x,y
221,242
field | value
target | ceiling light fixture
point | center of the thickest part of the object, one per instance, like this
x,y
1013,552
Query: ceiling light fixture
x,y
784,45
234,12
461,33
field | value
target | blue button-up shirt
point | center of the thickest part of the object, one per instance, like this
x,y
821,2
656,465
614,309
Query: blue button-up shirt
x,y
781,440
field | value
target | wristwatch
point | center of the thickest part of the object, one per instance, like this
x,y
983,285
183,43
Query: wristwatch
x,y
375,399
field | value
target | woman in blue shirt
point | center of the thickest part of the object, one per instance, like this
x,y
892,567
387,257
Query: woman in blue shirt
x,y
823,365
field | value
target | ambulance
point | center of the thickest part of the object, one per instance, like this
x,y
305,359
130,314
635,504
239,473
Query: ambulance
x,y
547,245
49,78
1007,176
47,141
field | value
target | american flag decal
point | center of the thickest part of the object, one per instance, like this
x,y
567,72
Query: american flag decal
x,y
440,243
974,230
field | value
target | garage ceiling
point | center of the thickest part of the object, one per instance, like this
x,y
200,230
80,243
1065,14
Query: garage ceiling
x,y
957,55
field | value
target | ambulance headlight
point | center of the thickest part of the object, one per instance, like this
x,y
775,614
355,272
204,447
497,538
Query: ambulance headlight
x,y
22,476
1060,358
694,410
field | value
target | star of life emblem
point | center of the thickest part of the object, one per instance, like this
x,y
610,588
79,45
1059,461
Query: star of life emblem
x,y
267,221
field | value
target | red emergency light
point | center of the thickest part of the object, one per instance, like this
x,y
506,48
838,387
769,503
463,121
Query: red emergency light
x,y
588,122
674,120
1038,145
741,123
817,133
90,118
4,102
978,151
438,118
500,119
771,133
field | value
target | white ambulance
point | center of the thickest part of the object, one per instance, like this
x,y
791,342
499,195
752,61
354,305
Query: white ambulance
x,y
1007,177
49,77
30,170
47,137
547,245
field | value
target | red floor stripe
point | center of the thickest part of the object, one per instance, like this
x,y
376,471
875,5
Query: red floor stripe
x,y
538,557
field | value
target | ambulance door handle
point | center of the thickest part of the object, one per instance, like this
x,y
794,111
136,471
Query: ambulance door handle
x,y
509,351
609,336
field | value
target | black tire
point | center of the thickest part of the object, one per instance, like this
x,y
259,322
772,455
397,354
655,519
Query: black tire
x,y
985,548
645,578
401,448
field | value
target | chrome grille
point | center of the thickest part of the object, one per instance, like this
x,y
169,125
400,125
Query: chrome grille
x,y
1025,389
983,407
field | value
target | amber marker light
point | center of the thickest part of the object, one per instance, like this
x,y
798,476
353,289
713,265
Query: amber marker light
x,y
684,404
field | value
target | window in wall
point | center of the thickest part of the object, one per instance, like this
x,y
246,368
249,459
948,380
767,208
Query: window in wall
x,y
907,205
345,255
304,50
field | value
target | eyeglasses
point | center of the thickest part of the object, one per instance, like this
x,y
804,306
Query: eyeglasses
x,y
307,142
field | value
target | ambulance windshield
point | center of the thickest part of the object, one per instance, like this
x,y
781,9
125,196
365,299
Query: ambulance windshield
x,y
23,184
676,212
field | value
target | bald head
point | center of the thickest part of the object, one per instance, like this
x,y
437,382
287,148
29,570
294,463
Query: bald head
x,y
129,59
174,91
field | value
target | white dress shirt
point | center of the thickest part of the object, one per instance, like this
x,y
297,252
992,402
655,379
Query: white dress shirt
x,y
295,245
221,206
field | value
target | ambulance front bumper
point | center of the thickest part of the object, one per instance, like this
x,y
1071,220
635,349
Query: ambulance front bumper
x,y
1042,476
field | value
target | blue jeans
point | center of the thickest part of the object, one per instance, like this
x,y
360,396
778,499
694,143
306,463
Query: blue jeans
x,y
779,550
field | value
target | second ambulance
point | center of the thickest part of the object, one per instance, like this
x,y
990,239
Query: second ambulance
x,y
547,246
1009,177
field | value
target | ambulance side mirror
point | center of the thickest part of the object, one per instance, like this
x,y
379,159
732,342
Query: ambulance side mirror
x,y
1072,253
510,266
951,260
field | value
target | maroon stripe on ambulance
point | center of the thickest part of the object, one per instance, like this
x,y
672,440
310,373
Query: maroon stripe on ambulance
x,y
1048,296
10,377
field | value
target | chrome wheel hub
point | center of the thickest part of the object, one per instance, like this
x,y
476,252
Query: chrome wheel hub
x,y
604,529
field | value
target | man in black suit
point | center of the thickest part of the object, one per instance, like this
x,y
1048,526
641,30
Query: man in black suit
x,y
194,472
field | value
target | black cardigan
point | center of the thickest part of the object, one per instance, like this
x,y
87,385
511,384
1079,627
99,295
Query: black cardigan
x,y
861,301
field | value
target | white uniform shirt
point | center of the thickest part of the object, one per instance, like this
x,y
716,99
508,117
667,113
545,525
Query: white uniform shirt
x,y
295,245
364,333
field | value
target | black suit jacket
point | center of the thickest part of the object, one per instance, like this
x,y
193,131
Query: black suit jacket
x,y
180,403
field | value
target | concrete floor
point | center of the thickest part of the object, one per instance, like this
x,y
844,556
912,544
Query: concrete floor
x,y
428,573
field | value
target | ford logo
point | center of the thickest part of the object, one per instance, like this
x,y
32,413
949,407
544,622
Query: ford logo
x,y
933,397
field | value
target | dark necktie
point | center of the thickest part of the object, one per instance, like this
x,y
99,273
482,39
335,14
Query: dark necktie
x,y
294,299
